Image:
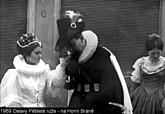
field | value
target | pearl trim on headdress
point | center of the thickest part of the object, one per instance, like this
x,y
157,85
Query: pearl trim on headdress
x,y
28,39
28,44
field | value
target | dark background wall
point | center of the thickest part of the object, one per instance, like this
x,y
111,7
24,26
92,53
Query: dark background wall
x,y
122,25
13,22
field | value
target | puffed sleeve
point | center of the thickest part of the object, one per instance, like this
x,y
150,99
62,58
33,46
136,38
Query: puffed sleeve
x,y
9,89
136,73
57,77
55,95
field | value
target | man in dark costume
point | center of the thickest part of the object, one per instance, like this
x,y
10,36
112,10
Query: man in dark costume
x,y
93,71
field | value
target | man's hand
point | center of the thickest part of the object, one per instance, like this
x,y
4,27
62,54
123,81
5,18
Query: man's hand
x,y
64,61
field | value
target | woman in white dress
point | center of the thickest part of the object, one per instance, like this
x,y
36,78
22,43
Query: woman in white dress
x,y
23,86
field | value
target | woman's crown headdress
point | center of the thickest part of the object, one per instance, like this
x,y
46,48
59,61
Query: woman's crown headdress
x,y
27,39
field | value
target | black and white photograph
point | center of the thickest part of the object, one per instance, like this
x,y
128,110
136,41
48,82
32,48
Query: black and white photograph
x,y
82,56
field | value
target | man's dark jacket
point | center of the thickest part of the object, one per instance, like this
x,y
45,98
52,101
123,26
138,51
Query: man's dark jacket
x,y
95,82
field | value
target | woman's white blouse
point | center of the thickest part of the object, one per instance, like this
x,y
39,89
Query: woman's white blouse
x,y
143,63
25,84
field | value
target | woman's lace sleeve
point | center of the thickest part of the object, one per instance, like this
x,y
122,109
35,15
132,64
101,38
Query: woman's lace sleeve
x,y
57,77
54,90
136,73
9,89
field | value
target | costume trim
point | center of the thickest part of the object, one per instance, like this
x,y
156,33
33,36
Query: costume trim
x,y
155,69
26,69
127,100
90,48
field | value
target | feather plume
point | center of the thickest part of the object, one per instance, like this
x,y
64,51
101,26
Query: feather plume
x,y
72,15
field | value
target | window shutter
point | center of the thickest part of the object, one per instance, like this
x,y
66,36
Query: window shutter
x,y
122,25
13,14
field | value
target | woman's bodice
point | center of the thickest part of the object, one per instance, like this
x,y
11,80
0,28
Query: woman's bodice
x,y
151,77
31,90
154,81
30,81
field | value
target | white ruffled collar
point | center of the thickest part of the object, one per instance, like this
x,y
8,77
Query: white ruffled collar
x,y
153,69
27,69
90,48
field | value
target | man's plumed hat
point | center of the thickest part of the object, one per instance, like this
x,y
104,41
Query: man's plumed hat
x,y
69,27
